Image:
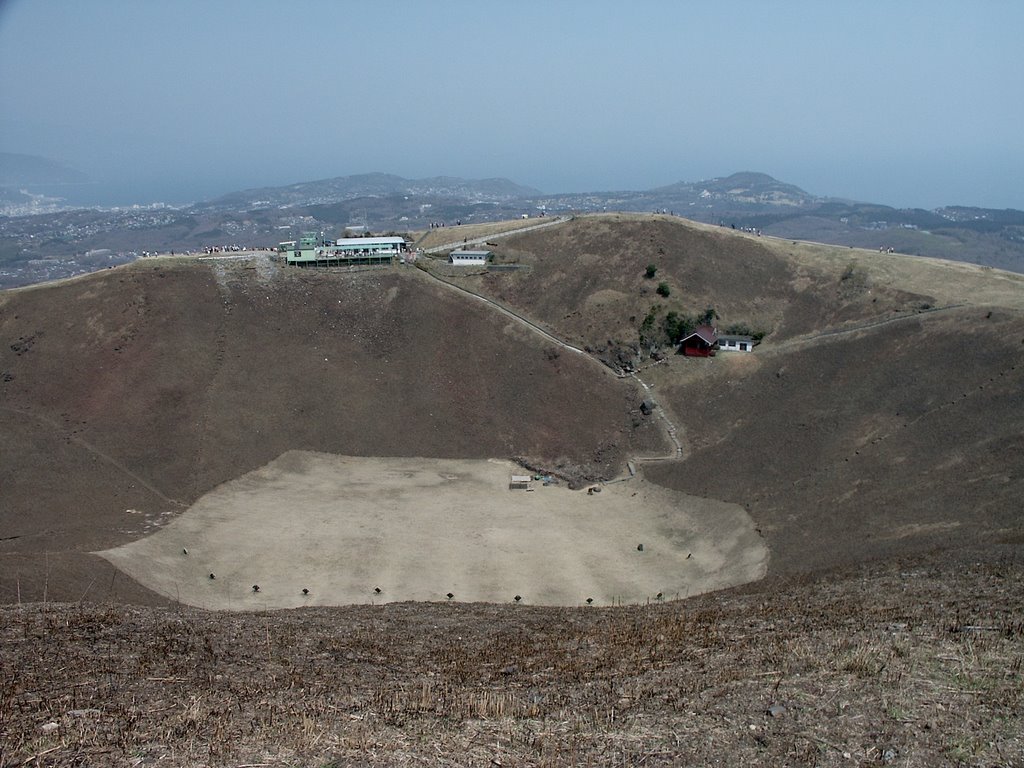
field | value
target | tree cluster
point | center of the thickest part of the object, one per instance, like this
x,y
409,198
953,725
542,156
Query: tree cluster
x,y
673,326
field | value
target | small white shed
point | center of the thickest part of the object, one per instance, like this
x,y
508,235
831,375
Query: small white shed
x,y
520,483
469,258
735,343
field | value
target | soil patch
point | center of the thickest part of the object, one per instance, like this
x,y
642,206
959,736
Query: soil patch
x,y
421,529
156,383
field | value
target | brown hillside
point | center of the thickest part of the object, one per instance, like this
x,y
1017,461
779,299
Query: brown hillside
x,y
882,414
142,388
880,421
587,279
434,238
842,443
902,436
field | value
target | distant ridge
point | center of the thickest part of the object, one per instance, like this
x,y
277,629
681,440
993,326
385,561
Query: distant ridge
x,y
42,249
32,170
341,188
744,187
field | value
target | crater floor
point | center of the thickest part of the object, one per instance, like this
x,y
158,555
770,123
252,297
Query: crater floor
x,y
418,529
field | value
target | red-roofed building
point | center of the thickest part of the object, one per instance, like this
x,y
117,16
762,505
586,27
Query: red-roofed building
x,y
701,343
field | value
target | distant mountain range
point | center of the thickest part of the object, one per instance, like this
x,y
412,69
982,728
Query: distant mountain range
x,y
747,200
747,187
739,191
27,183
341,188
40,239
31,170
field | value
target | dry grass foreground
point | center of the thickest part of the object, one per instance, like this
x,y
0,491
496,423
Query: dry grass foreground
x,y
911,665
419,529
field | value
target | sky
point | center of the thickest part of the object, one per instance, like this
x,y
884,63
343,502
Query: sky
x,y
903,102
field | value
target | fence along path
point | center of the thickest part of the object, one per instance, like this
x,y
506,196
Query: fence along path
x,y
671,430
496,235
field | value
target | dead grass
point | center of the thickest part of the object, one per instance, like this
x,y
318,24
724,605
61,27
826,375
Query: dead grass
x,y
857,440
187,375
867,445
949,282
453,234
882,414
917,665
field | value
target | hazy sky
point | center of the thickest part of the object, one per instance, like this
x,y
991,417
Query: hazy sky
x,y
900,102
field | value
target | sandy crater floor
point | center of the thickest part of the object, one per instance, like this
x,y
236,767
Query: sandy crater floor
x,y
417,529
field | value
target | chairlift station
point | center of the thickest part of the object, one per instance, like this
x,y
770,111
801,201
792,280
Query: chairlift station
x,y
312,251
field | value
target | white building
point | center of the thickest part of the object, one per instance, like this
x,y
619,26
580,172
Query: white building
x,y
469,258
370,246
735,344
520,483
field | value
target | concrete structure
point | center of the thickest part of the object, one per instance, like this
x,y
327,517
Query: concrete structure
x,y
520,483
300,251
311,251
728,343
469,258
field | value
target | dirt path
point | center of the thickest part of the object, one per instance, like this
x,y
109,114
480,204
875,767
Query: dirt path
x,y
493,236
222,277
798,341
671,430
56,426
419,529
547,335
416,529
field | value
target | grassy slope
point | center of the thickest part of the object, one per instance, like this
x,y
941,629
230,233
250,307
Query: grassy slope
x,y
433,238
588,279
916,665
154,383
902,436
914,661
961,244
